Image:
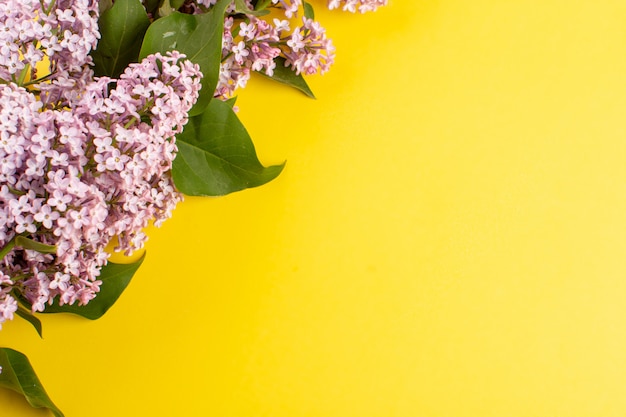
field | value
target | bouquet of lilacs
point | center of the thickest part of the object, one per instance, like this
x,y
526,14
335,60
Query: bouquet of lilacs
x,y
110,111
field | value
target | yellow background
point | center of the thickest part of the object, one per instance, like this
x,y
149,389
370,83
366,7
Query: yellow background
x,y
448,238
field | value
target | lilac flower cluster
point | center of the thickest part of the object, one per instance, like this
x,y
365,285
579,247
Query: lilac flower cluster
x,y
362,6
253,44
61,31
290,7
76,177
258,43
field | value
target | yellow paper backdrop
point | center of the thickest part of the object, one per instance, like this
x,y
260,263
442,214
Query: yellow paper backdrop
x,y
448,238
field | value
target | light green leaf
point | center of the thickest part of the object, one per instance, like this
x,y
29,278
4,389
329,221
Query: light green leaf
x,y
199,37
122,28
309,13
29,317
166,8
19,376
216,155
242,7
177,3
26,243
115,278
287,76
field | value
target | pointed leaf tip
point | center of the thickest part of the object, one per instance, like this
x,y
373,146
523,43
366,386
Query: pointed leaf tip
x,y
18,375
216,155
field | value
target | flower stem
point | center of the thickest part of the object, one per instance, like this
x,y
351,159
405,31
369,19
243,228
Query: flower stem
x,y
7,248
38,80
23,75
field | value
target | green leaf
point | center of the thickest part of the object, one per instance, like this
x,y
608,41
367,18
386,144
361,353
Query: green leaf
x,y
19,376
115,278
104,5
262,4
287,76
166,9
151,6
177,3
28,316
216,155
242,7
27,243
231,101
122,28
309,13
199,37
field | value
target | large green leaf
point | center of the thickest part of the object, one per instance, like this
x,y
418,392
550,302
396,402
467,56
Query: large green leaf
x,y
287,76
216,155
115,278
121,29
19,376
199,37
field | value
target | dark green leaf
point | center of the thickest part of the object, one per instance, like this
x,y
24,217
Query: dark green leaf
x,y
104,5
199,37
231,101
115,278
19,376
151,6
26,243
121,29
216,155
309,13
285,75
242,7
28,316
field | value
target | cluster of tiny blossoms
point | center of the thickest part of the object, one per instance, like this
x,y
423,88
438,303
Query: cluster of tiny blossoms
x,y
252,44
61,31
255,45
77,177
362,6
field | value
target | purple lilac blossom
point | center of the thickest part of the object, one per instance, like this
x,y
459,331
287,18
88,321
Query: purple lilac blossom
x,y
309,50
76,177
258,43
362,6
63,32
290,6
254,44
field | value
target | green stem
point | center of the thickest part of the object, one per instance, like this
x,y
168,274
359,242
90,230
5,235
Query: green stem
x,y
37,81
52,4
23,74
16,192
130,122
